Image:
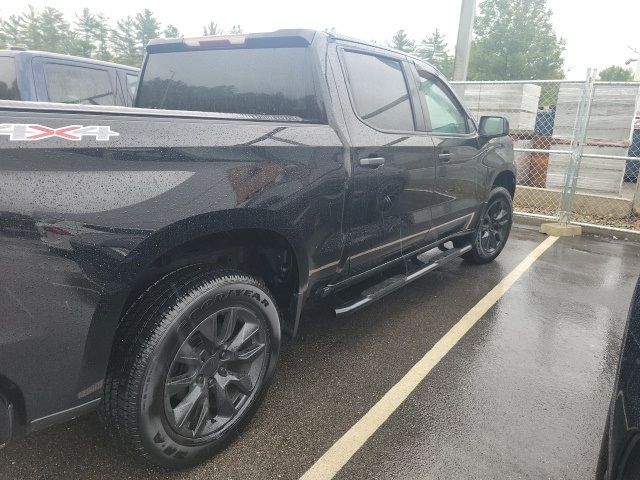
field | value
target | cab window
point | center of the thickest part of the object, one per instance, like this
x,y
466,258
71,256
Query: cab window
x,y
81,85
379,91
444,113
8,79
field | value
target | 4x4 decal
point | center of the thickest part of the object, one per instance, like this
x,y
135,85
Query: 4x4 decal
x,y
22,132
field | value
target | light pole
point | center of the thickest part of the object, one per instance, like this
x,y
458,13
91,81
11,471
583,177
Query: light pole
x,y
463,45
636,75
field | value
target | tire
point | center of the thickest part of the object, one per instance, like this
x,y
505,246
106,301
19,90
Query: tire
x,y
191,362
495,224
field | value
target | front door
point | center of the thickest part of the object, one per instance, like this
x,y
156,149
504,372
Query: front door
x,y
393,159
458,156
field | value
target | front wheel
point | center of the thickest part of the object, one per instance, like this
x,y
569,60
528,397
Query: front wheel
x,y
192,360
493,228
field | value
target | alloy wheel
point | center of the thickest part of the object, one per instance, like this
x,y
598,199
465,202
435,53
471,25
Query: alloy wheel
x,y
494,227
215,372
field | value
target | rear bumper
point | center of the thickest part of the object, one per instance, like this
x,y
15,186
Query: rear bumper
x,y
6,421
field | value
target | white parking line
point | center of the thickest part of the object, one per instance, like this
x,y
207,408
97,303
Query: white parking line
x,y
340,452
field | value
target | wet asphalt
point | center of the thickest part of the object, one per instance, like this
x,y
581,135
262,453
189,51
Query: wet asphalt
x,y
523,395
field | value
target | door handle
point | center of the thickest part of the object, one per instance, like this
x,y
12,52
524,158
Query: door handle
x,y
371,162
445,157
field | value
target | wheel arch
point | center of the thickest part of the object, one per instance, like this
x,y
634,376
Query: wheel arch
x,y
505,178
190,241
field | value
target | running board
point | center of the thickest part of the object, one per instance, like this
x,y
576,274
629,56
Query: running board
x,y
392,284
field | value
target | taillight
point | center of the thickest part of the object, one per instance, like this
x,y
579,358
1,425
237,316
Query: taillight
x,y
56,230
226,41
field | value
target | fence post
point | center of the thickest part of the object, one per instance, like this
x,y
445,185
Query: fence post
x,y
578,140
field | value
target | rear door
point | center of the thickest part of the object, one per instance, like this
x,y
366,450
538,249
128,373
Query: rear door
x,y
459,169
392,157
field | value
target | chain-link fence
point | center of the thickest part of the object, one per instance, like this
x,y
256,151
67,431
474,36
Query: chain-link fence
x,y
577,145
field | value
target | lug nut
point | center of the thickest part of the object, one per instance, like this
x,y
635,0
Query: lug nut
x,y
222,371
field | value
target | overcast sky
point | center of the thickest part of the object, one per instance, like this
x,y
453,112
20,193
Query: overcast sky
x,y
597,31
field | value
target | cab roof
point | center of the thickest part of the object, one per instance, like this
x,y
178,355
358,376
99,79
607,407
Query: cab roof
x,y
22,53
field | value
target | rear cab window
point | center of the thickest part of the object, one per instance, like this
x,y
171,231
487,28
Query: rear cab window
x,y
255,81
68,83
8,79
379,91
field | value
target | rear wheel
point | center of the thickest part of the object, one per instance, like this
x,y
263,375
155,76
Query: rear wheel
x,y
192,361
493,229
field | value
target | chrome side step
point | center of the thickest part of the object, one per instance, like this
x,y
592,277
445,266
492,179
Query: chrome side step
x,y
392,284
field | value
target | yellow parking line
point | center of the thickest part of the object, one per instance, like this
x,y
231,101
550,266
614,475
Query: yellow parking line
x,y
339,454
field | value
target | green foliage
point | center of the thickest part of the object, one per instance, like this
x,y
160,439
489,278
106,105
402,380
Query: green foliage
x,y
101,37
90,34
212,28
515,40
55,32
124,42
433,49
171,31
146,28
402,42
28,25
85,27
615,73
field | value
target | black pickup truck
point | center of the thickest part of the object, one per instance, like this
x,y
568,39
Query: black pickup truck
x,y
152,256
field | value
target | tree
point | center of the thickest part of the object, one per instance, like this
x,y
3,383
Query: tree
x,y
10,32
236,30
28,28
615,73
433,49
401,42
39,30
212,28
124,42
147,28
102,38
171,31
515,40
86,26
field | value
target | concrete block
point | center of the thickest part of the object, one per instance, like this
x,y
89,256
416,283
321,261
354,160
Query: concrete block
x,y
597,175
561,229
612,112
517,102
544,200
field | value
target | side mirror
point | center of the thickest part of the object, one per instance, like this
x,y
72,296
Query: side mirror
x,y
493,127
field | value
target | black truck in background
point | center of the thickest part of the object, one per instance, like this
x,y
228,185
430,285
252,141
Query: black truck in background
x,y
151,257
33,76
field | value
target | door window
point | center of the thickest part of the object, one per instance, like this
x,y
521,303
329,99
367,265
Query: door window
x,y
81,85
379,91
445,115
132,84
8,79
